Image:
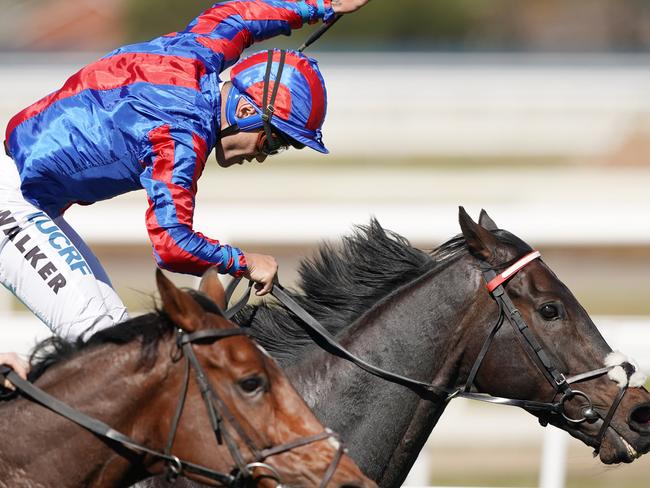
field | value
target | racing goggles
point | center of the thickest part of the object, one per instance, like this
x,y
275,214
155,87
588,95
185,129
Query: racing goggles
x,y
270,146
277,143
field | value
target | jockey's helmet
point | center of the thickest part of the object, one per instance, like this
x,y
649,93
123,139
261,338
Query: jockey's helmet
x,y
288,92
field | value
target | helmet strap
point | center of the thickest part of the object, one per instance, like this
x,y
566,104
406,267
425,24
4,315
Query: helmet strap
x,y
268,103
268,106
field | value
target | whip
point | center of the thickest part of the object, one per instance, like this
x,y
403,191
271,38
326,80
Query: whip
x,y
319,33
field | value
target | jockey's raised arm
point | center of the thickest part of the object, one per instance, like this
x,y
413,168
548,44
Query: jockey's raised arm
x,y
220,34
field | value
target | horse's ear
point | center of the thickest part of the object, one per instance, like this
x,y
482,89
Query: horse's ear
x,y
212,287
482,244
486,222
181,308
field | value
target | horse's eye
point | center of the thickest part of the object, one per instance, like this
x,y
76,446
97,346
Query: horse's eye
x,y
252,384
549,311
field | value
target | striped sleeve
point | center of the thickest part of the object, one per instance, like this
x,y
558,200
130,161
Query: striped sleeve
x,y
230,27
170,180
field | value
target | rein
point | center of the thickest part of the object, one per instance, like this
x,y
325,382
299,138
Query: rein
x,y
217,413
507,310
312,325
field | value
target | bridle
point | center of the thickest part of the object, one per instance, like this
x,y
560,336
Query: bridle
x,y
218,414
558,381
507,310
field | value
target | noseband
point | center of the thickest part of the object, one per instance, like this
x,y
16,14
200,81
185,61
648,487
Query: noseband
x,y
218,413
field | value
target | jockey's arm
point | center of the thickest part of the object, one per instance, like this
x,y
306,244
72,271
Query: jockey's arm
x,y
228,28
170,180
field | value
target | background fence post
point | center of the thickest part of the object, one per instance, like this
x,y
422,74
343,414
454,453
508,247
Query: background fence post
x,y
553,466
420,474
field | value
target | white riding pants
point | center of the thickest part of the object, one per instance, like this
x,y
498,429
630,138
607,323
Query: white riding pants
x,y
50,268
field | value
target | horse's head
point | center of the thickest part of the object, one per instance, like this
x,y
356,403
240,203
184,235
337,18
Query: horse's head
x,y
607,408
263,424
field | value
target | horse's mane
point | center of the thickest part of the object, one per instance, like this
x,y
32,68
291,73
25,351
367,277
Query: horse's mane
x,y
340,284
149,329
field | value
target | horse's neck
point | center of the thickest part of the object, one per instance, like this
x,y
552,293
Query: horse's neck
x,y
44,448
416,333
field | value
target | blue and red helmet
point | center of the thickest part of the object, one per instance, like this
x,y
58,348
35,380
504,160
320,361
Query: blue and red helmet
x,y
288,92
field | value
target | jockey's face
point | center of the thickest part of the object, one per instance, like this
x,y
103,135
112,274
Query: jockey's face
x,y
241,146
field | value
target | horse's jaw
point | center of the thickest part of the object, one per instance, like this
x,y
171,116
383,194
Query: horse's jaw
x,y
615,448
623,447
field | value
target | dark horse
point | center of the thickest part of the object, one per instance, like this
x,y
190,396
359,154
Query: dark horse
x,y
427,315
131,377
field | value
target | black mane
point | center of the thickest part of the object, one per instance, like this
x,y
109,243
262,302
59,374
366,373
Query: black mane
x,y
340,284
149,329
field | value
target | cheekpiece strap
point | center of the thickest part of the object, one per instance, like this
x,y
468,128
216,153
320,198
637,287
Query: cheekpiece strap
x,y
267,81
268,104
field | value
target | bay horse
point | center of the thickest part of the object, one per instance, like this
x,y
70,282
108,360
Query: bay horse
x,y
427,316
132,377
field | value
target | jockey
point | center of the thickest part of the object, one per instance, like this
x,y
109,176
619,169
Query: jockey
x,y
146,116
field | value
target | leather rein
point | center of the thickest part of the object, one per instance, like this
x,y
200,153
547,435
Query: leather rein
x,y
507,310
218,413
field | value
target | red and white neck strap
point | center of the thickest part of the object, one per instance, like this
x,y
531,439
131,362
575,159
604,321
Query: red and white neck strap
x,y
511,271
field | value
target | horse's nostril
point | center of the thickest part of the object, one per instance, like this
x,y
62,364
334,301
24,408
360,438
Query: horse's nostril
x,y
641,415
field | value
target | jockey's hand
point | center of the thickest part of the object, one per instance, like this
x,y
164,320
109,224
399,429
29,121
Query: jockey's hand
x,y
19,365
347,6
262,269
